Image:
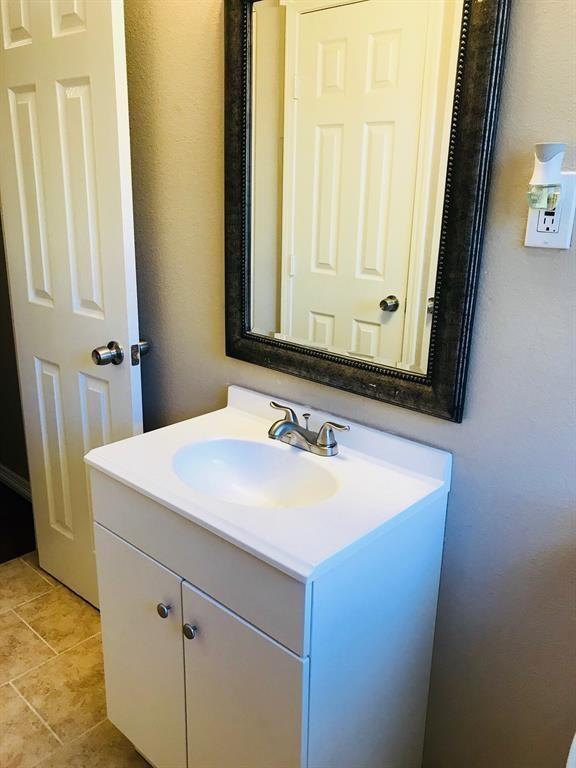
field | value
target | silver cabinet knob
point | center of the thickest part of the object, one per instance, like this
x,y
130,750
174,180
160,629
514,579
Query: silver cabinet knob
x,y
163,610
389,304
190,631
430,305
112,353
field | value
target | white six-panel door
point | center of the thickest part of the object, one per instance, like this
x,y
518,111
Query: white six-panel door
x,y
353,102
66,197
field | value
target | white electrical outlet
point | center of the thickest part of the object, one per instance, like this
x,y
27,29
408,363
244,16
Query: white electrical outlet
x,y
549,221
553,229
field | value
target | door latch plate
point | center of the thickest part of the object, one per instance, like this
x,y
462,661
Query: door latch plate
x,y
137,351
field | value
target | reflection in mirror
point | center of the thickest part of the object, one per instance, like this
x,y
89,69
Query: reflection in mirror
x,y
351,115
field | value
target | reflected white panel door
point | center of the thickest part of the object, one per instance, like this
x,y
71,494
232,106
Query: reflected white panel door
x,y
355,119
246,695
67,218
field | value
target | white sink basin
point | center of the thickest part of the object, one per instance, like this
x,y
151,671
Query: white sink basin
x,y
296,511
254,474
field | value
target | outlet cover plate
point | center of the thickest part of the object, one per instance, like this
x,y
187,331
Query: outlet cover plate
x,y
559,234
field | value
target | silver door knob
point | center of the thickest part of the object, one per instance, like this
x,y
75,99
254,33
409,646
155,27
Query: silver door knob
x,y
389,304
163,610
190,631
112,353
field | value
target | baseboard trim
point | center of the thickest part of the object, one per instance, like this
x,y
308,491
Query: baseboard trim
x,y
14,481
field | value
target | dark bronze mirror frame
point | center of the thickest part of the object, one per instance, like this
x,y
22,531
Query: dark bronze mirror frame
x,y
478,83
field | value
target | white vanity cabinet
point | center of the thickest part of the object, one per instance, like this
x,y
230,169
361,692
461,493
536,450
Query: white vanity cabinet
x,y
258,635
234,695
351,692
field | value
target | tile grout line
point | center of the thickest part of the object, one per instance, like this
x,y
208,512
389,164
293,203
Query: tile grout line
x,y
38,715
26,602
47,661
85,640
87,731
56,653
70,743
37,572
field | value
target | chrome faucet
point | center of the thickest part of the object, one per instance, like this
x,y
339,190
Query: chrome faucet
x,y
288,430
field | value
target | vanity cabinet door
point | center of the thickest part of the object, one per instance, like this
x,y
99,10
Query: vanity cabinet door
x,y
246,695
143,657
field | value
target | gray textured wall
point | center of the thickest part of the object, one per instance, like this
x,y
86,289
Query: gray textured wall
x,y
12,445
502,694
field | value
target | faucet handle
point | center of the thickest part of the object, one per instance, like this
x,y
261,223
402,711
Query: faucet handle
x,y
289,413
326,437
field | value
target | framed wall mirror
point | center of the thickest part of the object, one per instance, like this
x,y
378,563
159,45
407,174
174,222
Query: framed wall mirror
x,y
359,136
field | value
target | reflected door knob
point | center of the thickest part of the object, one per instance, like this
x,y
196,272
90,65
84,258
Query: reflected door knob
x,y
190,631
389,304
112,353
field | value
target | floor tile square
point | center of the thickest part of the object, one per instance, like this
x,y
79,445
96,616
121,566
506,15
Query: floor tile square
x,y
19,583
24,739
32,560
68,691
102,747
61,618
20,648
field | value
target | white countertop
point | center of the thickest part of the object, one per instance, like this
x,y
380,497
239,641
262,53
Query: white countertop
x,y
381,479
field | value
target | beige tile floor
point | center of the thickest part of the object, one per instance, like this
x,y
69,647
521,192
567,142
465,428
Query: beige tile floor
x,y
52,704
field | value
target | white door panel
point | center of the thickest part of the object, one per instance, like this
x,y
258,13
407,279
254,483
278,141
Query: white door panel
x,y
67,219
143,654
355,119
246,695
